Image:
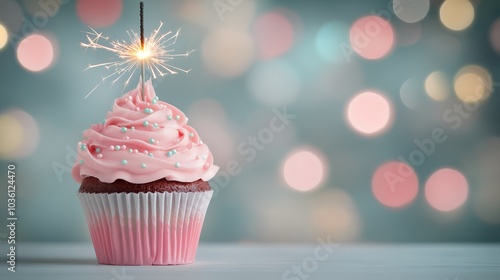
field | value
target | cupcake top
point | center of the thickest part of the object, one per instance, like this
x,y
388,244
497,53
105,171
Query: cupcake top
x,y
141,141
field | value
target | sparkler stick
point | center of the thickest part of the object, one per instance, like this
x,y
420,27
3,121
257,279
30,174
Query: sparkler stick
x,y
143,71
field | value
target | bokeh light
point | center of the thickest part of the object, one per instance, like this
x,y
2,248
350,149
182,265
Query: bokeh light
x,y
456,14
295,20
369,113
473,83
4,36
97,13
30,132
495,35
22,137
12,140
191,10
372,37
446,189
274,83
329,40
228,51
412,94
303,170
395,184
274,35
411,11
437,86
11,16
35,52
334,214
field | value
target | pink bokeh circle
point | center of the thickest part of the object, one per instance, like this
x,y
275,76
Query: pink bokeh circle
x,y
303,170
395,184
98,13
446,189
372,37
369,113
35,52
273,34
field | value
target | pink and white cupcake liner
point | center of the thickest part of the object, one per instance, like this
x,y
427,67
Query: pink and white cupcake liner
x,y
145,228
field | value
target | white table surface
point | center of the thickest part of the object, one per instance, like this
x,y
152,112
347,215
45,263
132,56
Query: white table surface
x,y
268,261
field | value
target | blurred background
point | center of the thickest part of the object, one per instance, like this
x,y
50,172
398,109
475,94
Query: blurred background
x,y
361,121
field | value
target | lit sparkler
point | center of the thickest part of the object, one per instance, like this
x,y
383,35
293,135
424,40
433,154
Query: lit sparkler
x,y
152,54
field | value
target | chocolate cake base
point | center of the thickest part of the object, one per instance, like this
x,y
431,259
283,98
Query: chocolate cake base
x,y
93,185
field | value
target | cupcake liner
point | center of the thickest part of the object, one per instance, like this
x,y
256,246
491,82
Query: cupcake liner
x,y
145,228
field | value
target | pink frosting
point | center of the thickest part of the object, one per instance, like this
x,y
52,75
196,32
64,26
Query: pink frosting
x,y
142,141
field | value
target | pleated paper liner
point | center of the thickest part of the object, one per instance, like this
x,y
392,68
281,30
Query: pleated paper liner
x,y
145,228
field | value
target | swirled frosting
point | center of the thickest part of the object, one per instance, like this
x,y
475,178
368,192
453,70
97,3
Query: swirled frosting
x,y
142,141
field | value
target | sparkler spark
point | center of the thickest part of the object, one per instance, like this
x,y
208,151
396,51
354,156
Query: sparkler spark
x,y
156,55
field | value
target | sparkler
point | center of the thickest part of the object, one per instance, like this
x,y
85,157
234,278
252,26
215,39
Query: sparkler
x,y
152,54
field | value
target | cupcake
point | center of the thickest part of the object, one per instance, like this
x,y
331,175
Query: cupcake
x,y
144,182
